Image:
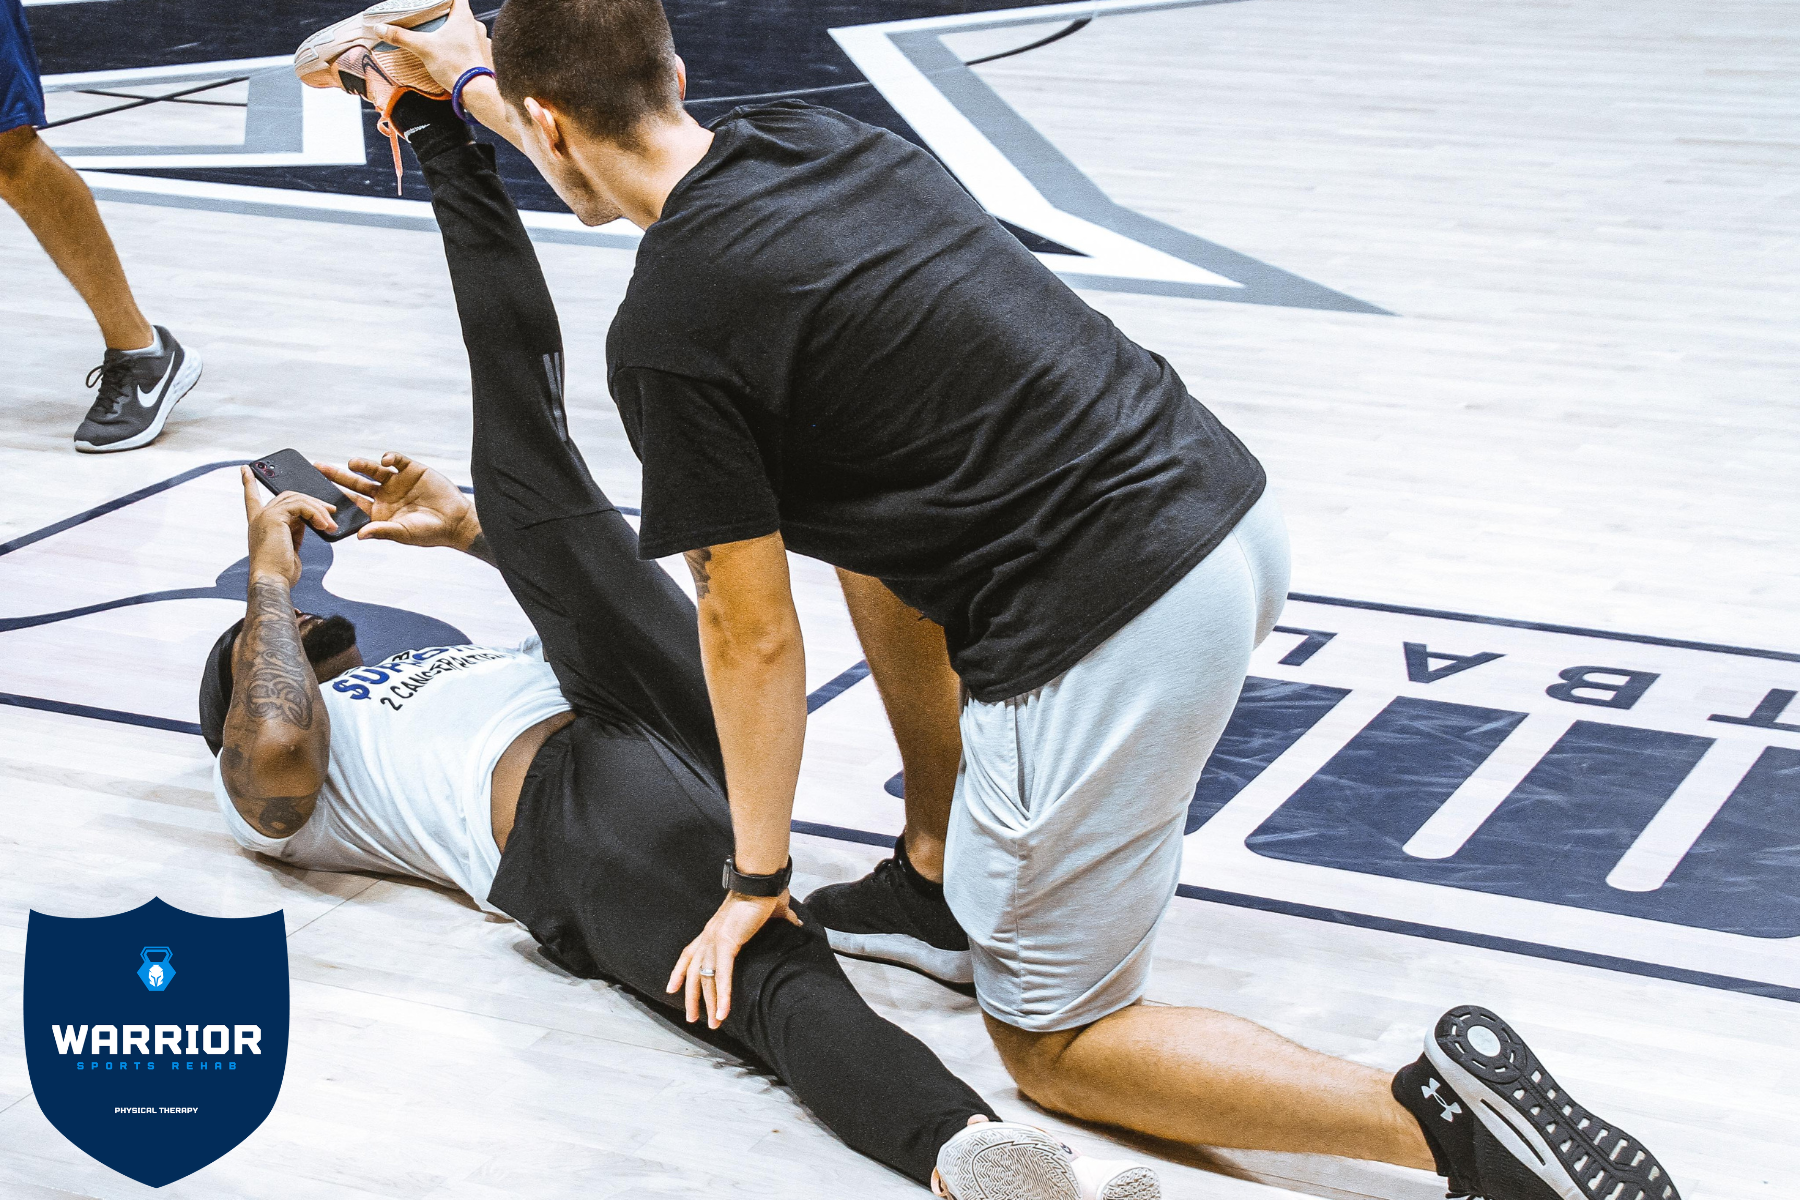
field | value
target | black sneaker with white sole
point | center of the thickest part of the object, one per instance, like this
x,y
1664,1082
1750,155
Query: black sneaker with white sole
x,y
896,915
137,393
1502,1129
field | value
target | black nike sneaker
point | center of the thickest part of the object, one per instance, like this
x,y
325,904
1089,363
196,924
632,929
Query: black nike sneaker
x,y
896,915
137,393
1501,1129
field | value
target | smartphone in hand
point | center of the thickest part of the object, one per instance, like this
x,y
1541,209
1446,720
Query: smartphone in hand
x,y
288,471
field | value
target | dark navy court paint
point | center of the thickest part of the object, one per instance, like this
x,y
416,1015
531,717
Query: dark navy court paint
x,y
1575,814
1558,834
1271,715
1375,793
1744,871
200,979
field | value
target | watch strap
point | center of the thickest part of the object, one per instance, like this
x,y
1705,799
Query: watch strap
x,y
756,885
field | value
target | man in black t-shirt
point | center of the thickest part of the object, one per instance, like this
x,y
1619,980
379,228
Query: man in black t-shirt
x,y
1056,559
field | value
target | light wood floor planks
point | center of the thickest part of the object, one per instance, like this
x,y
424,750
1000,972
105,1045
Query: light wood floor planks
x,y
1583,215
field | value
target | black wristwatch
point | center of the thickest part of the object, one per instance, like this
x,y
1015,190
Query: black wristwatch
x,y
756,885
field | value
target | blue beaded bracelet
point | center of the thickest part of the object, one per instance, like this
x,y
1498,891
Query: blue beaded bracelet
x,y
463,81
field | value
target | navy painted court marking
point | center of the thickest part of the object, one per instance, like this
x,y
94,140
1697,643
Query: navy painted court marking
x,y
94,713
1590,793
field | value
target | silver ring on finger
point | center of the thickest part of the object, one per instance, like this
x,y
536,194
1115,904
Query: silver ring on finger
x,y
707,972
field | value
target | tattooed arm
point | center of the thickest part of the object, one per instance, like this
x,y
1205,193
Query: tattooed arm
x,y
277,733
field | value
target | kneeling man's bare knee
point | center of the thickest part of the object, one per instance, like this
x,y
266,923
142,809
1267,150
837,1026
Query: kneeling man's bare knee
x,y
1037,1063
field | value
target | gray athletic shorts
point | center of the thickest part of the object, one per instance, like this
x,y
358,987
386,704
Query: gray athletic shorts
x,y
1065,835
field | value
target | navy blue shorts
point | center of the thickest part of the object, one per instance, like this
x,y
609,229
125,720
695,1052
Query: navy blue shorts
x,y
21,93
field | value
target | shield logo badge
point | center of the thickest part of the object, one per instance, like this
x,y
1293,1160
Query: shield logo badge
x,y
156,1039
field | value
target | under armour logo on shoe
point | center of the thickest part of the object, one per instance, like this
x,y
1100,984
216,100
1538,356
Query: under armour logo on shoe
x,y
1450,1107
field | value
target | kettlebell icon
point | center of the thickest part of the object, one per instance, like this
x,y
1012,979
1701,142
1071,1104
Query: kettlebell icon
x,y
156,972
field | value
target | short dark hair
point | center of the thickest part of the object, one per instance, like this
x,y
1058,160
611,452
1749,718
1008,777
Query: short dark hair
x,y
607,64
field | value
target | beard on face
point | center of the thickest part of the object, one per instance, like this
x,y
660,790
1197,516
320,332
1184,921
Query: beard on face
x,y
328,638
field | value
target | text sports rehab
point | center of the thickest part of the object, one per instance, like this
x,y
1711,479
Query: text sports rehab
x,y
85,1041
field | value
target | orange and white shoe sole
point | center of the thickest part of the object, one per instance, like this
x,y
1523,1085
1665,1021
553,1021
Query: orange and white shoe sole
x,y
315,61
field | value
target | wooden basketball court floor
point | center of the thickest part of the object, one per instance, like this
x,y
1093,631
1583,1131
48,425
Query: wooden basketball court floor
x,y
1573,417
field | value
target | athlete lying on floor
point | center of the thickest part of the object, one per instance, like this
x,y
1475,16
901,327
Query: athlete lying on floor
x,y
574,784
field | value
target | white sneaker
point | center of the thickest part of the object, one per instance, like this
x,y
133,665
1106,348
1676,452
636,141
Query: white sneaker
x,y
1115,1179
1001,1160
998,1160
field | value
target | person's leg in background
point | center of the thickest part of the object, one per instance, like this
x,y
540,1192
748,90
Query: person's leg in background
x,y
60,211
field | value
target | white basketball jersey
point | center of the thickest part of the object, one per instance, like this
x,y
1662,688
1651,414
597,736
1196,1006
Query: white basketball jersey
x,y
414,740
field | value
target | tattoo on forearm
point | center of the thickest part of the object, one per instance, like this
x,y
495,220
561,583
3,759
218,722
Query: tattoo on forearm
x,y
275,695
479,549
280,684
696,561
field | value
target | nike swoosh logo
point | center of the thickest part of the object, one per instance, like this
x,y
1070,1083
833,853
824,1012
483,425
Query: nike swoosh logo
x,y
149,398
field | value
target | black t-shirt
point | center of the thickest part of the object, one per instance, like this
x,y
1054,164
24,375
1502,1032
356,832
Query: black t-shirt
x,y
827,336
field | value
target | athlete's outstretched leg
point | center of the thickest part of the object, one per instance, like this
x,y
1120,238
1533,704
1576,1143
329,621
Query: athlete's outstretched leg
x,y
620,634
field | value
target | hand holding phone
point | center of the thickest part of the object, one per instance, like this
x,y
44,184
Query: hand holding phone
x,y
288,471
